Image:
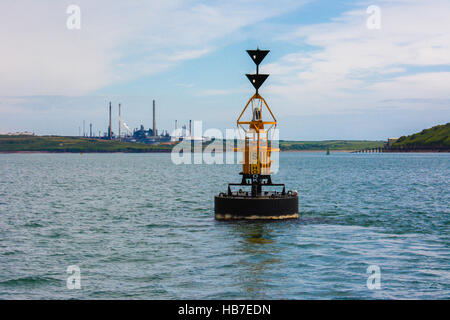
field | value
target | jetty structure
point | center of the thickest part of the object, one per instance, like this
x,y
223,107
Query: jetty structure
x,y
256,203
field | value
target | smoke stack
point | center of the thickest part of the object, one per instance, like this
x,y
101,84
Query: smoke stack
x,y
190,128
120,120
90,130
155,133
109,128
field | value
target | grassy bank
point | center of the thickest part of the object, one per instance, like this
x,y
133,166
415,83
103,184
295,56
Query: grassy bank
x,y
72,144
77,144
436,138
342,145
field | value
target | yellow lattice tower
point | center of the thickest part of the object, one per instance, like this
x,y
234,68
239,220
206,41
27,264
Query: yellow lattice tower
x,y
258,123
257,141
257,147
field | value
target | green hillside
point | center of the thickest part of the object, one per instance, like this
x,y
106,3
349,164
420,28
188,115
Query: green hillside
x,y
435,138
73,144
329,144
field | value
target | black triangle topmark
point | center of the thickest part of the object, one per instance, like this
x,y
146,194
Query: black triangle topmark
x,y
257,79
257,55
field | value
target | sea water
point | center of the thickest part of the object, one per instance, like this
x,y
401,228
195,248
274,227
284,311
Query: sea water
x,y
136,226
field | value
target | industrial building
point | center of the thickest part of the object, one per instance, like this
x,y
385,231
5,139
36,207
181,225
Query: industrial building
x,y
150,135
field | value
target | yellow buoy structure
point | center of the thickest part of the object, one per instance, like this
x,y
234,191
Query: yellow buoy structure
x,y
257,202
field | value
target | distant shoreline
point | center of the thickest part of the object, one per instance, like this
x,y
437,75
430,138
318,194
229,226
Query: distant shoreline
x,y
74,152
418,151
169,151
62,144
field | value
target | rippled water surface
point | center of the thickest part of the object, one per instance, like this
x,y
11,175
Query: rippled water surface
x,y
140,227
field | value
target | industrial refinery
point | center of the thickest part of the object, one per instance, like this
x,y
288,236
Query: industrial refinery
x,y
141,134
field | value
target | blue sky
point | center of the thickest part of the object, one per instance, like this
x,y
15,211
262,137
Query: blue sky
x,y
331,76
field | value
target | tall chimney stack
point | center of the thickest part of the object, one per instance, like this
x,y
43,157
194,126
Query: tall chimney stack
x,y
90,130
190,128
120,120
109,128
155,133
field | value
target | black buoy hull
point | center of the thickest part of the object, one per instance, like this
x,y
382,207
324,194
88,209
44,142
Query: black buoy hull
x,y
234,207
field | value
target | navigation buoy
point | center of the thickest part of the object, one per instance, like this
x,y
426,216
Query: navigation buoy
x,y
256,169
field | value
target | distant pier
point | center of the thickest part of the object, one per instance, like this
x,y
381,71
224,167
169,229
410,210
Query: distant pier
x,y
385,148
372,150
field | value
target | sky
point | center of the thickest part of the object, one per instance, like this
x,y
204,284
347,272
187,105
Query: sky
x,y
338,69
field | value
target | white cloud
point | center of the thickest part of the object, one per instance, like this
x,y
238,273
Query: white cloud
x,y
349,69
117,40
215,92
353,68
223,92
